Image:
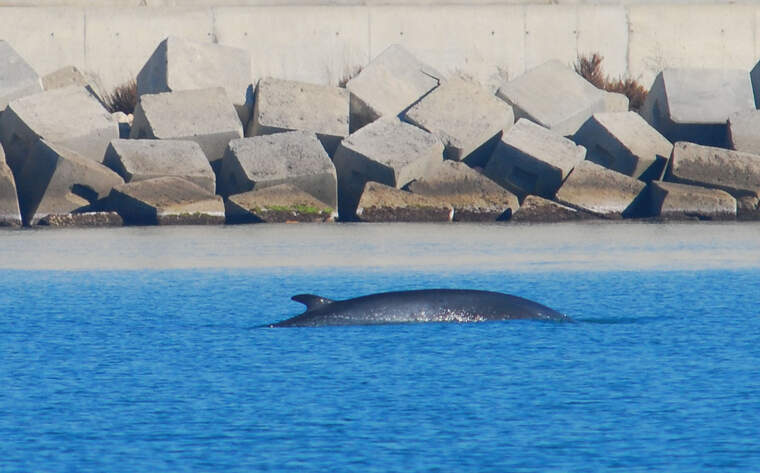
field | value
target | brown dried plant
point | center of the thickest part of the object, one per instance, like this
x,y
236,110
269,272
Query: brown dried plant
x,y
590,68
123,98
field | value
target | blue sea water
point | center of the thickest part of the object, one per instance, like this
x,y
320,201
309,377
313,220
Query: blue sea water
x,y
167,368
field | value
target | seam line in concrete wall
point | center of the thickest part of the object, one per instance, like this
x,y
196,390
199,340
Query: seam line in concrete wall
x,y
627,43
214,35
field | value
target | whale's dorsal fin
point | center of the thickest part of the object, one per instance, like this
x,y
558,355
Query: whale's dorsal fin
x,y
311,301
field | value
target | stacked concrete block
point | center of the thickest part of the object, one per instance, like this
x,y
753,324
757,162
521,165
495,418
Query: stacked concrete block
x,y
735,172
205,116
466,117
754,76
277,204
694,104
71,76
531,159
178,64
553,96
616,102
675,201
283,105
17,78
10,214
748,207
166,201
295,158
392,82
473,196
387,151
626,143
70,117
56,180
535,209
138,160
744,131
601,191
381,203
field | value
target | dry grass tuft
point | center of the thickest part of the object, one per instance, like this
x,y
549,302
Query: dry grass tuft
x,y
123,98
590,68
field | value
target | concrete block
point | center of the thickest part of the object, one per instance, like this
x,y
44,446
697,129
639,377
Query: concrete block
x,y
138,160
280,203
388,85
166,201
387,151
735,172
616,102
466,117
676,201
10,214
748,208
473,196
553,96
531,159
205,116
535,209
70,117
626,143
17,78
283,105
381,203
601,191
694,104
83,219
179,64
295,158
744,131
56,180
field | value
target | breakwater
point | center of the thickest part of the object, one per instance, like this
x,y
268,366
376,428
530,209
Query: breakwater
x,y
398,140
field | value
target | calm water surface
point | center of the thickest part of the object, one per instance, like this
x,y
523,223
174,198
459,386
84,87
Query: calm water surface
x,y
137,349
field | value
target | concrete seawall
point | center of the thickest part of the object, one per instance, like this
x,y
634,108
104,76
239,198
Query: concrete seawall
x,y
322,42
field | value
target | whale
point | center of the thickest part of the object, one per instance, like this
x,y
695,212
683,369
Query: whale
x,y
416,306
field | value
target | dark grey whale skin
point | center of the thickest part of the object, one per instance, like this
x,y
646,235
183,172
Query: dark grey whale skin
x,y
428,305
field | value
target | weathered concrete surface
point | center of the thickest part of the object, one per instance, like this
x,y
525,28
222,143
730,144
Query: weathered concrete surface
x,y
535,209
138,160
531,159
83,219
283,105
388,151
381,203
673,201
744,131
616,102
9,210
57,180
553,96
601,191
166,201
735,172
466,117
626,143
17,78
280,203
388,85
295,157
473,196
71,76
694,104
70,117
205,116
748,208
179,64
